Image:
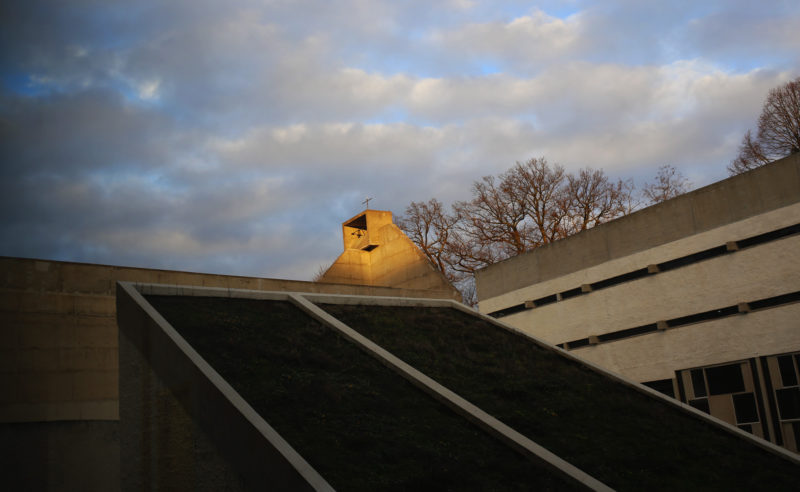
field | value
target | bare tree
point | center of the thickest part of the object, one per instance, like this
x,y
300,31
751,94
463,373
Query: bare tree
x,y
778,130
529,205
669,183
496,216
593,199
432,229
543,189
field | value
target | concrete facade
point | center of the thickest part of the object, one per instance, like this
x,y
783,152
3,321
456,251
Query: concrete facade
x,y
58,332
377,252
710,278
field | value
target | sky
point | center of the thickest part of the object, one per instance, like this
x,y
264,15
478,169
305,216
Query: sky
x,y
235,137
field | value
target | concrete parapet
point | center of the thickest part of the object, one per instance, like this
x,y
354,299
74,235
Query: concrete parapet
x,y
58,331
172,407
755,192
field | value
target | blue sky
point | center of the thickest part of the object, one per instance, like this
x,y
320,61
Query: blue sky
x,y
234,137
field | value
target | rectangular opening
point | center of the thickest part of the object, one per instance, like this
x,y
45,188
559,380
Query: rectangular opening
x,y
545,300
744,405
693,258
700,404
507,311
625,277
629,332
725,379
775,301
698,382
571,293
788,374
359,222
707,315
769,236
788,403
662,386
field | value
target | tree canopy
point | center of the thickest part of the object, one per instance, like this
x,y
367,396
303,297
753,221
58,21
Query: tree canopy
x,y
532,204
778,130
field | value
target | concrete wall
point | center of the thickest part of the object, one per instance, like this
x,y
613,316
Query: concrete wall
x,y
58,332
762,271
382,255
764,189
60,456
540,287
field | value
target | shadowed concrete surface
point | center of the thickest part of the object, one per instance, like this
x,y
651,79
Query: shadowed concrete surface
x,y
60,456
343,406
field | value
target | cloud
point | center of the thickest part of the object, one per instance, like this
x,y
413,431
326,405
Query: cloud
x,y
235,137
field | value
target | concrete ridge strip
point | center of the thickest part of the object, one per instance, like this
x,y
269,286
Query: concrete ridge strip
x,y
762,443
303,468
473,413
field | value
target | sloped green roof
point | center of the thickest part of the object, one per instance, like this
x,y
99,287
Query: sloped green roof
x,y
360,425
363,427
621,436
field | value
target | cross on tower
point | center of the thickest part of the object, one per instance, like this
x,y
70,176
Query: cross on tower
x,y
366,202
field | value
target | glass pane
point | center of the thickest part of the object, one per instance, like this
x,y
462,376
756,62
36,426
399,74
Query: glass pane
x,y
786,366
662,386
745,407
789,403
698,383
700,404
725,379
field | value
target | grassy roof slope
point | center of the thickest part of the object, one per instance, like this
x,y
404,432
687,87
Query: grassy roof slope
x,y
620,436
361,426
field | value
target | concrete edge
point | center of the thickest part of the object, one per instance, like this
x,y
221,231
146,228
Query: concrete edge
x,y
375,300
762,443
422,302
473,413
135,292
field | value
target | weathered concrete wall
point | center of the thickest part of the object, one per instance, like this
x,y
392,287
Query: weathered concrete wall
x,y
384,256
737,198
60,456
658,355
58,333
761,271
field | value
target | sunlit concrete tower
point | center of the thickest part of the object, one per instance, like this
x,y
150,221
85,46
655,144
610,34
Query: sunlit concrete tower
x,y
377,252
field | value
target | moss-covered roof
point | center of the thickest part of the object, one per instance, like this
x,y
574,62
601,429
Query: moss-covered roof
x,y
624,438
363,427
360,425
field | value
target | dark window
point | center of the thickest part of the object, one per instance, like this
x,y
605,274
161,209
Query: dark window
x,y
625,277
775,301
542,301
662,386
583,342
725,379
693,258
571,293
507,311
698,383
745,407
789,403
769,236
700,404
788,375
638,330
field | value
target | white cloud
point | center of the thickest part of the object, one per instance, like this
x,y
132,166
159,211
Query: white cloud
x,y
274,119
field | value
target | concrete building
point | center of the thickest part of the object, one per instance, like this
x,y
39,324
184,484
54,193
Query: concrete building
x,y
59,353
377,252
696,297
